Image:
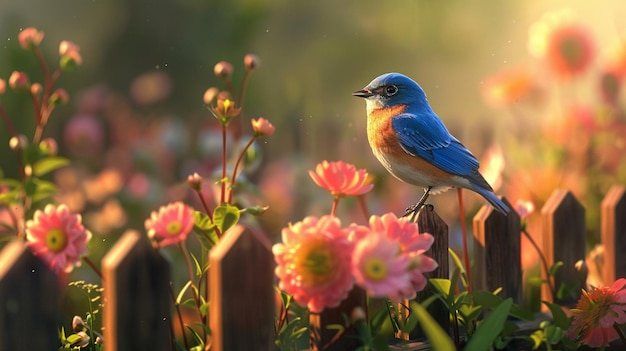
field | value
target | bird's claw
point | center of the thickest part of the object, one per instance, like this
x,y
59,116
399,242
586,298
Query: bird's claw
x,y
415,208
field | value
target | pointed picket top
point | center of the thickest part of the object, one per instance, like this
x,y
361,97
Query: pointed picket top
x,y
564,240
136,281
613,234
497,255
29,301
242,292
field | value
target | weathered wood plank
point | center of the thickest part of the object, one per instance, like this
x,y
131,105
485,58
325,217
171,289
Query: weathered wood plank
x,y
613,234
326,339
29,301
242,295
137,302
497,255
563,232
429,221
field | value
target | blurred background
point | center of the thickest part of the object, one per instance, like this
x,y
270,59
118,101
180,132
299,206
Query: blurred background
x,y
540,110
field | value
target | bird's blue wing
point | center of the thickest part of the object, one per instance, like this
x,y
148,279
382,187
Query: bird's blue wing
x,y
425,136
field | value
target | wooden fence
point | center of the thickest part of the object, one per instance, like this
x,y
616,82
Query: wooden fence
x,y
136,279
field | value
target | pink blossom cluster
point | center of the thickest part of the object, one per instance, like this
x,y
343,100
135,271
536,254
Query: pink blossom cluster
x,y
319,261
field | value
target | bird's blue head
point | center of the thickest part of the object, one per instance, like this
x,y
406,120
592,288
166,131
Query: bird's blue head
x,y
392,89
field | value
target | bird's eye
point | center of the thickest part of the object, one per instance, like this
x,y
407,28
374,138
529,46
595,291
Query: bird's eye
x,y
391,90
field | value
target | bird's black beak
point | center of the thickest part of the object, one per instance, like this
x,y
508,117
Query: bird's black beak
x,y
364,93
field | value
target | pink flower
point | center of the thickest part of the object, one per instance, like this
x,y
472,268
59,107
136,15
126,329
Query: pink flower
x,y
565,45
510,86
524,208
379,267
171,224
597,312
3,86
251,61
57,237
313,262
84,135
341,178
30,37
70,55
412,244
262,127
223,69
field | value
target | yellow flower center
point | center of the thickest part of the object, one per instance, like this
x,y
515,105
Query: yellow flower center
x,y
375,269
56,240
315,263
174,227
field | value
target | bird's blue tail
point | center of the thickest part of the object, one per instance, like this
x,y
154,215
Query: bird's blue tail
x,y
493,200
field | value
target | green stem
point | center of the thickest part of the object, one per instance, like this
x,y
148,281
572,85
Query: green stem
x,y
180,317
194,290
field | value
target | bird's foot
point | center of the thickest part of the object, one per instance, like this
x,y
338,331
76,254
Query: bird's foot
x,y
414,209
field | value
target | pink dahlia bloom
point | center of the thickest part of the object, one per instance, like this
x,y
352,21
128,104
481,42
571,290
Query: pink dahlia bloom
x,y
341,178
597,312
57,237
313,262
171,224
413,246
379,267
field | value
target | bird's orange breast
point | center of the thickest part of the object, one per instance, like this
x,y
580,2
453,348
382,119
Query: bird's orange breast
x,y
404,166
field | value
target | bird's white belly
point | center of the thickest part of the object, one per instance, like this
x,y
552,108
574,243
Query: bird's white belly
x,y
412,175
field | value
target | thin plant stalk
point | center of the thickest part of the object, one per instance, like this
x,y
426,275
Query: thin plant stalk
x,y
233,181
93,266
363,205
466,259
223,180
180,317
333,210
196,298
542,258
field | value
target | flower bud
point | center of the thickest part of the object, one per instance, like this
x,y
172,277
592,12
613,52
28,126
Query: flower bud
x,y
49,147
19,81
223,69
83,341
36,88
59,97
3,86
70,55
209,95
251,61
77,324
18,142
262,127
195,181
30,37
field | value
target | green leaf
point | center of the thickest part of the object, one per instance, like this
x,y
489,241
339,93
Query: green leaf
x,y
30,186
559,317
459,265
45,189
537,338
337,327
73,339
49,164
555,267
225,216
256,210
441,285
182,292
196,264
438,338
205,230
490,327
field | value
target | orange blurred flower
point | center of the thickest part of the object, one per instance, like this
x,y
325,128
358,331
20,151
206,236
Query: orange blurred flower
x,y
30,37
566,46
508,86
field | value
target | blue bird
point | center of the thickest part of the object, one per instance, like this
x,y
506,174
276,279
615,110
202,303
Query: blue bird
x,y
414,145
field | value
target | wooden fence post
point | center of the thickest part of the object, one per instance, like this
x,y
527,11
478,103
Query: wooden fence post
x,y
564,232
29,301
497,255
429,221
137,302
242,294
613,234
